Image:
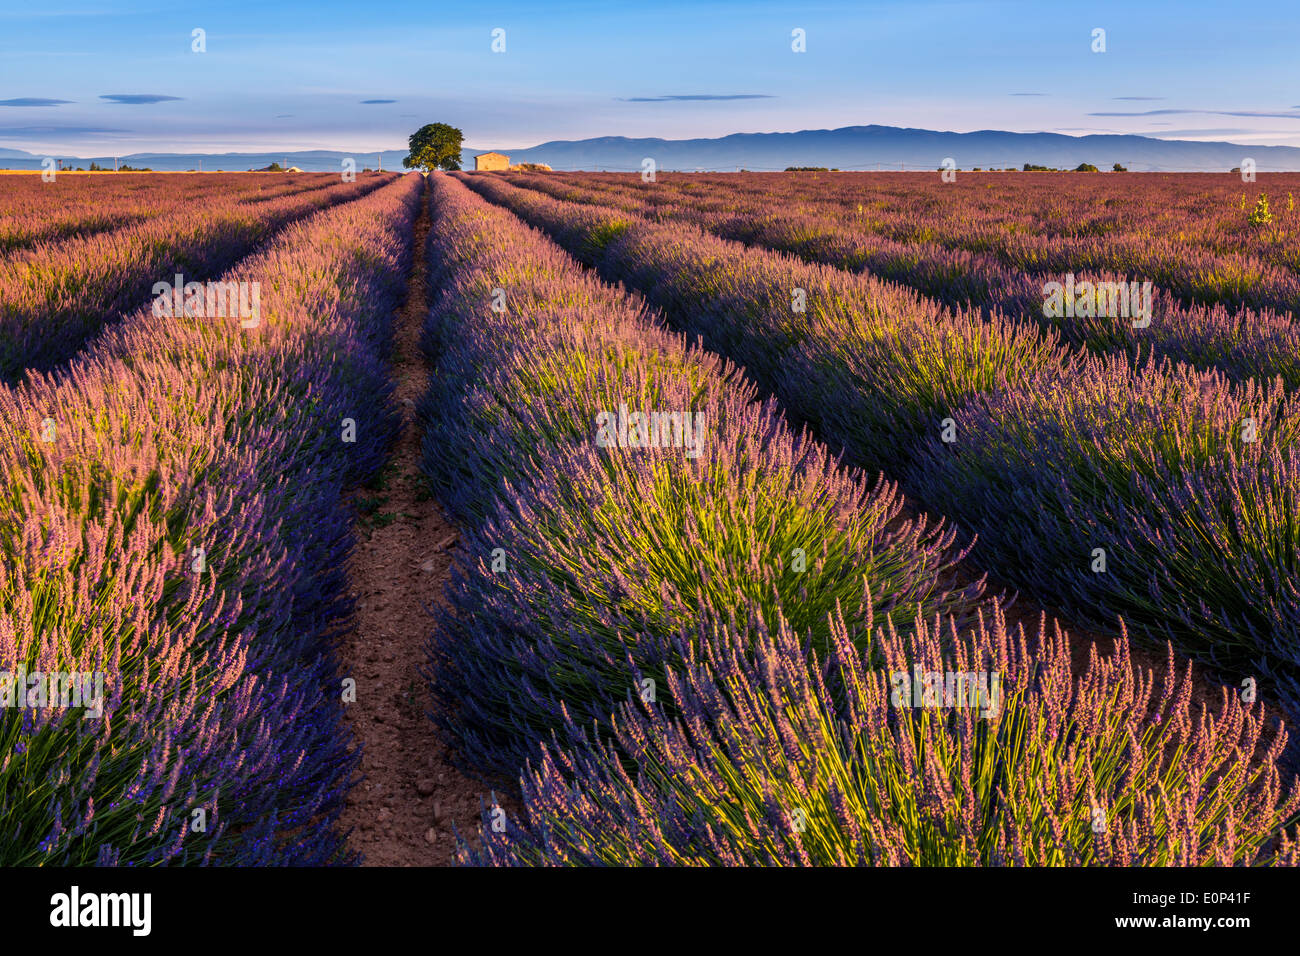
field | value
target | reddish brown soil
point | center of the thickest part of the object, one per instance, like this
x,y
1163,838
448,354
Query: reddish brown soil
x,y
402,813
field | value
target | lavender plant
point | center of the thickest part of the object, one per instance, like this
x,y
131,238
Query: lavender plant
x,y
1188,484
778,763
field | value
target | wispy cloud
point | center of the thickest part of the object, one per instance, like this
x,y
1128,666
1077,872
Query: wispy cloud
x,y
33,101
1204,132
694,97
138,99
369,102
1258,113
284,115
54,132
1026,94
1137,97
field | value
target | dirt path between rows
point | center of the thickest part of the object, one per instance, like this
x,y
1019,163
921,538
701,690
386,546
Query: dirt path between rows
x,y
403,811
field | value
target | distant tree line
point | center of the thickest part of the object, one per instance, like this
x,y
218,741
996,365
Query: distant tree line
x,y
124,168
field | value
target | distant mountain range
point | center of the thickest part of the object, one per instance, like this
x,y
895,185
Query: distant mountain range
x,y
851,147
891,147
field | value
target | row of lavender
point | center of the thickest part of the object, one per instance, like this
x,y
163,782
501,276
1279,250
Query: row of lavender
x,y
1107,487
54,296
1244,343
34,210
1254,265
44,215
583,539
697,645
172,537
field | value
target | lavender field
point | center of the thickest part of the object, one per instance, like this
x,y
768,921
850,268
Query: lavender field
x,y
1116,474
784,519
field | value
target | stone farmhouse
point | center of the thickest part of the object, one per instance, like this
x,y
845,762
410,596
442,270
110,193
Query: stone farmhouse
x,y
491,161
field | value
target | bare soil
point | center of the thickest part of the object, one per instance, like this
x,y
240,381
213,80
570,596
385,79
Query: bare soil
x,y
403,810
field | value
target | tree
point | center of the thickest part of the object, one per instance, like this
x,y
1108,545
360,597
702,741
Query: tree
x,y
1119,169
1261,216
1085,168
434,146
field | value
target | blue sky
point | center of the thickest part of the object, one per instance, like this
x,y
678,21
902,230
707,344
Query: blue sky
x,y
296,75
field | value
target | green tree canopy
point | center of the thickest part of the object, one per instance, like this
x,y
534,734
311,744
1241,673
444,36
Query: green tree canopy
x,y
434,146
